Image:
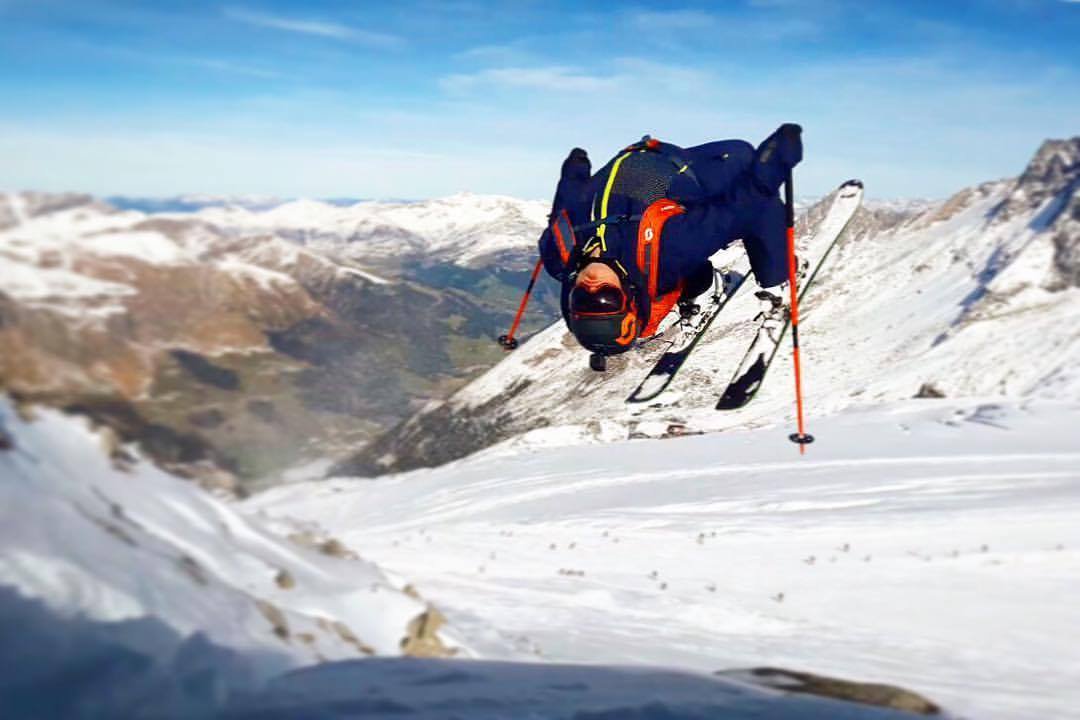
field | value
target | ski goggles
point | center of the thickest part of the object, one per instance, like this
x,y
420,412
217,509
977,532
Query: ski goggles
x,y
602,319
605,300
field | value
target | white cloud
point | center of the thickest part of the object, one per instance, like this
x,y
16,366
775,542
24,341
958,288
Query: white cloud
x,y
320,28
766,28
672,19
490,53
215,64
227,66
783,4
549,78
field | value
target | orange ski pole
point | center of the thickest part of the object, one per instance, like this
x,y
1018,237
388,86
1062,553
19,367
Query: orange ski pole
x,y
799,437
508,341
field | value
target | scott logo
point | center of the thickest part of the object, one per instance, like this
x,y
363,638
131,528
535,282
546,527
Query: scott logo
x,y
628,330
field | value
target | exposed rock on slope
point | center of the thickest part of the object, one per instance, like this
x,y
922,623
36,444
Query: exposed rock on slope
x,y
887,696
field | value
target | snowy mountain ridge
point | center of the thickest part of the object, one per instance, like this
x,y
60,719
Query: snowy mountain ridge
x,y
463,229
193,202
66,234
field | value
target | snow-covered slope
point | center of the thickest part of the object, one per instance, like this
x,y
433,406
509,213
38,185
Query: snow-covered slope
x,y
933,544
112,538
976,295
127,592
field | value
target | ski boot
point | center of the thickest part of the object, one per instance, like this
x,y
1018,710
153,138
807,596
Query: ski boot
x,y
775,301
703,285
773,311
688,309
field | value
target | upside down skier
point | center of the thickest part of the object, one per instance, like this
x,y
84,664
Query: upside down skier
x,y
632,242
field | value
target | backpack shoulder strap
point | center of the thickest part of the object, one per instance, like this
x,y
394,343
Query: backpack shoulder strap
x,y
563,232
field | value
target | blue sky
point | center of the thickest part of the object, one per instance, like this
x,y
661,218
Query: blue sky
x,y
421,98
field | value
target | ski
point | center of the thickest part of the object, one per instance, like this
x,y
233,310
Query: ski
x,y
667,366
774,319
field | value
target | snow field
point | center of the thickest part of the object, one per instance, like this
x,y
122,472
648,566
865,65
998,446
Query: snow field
x,y
927,544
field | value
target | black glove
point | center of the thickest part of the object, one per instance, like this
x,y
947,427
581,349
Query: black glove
x,y
790,145
576,165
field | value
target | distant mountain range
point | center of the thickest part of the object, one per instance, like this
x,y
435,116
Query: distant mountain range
x,y
251,340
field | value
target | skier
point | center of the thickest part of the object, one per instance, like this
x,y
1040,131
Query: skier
x,y
632,242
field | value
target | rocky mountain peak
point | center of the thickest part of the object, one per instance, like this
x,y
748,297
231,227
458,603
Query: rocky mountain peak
x,y
1054,169
1067,243
1055,165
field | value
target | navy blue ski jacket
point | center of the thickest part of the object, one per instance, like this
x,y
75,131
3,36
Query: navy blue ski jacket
x,y
733,196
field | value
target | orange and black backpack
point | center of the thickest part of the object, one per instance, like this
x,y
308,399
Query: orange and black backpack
x,y
632,197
